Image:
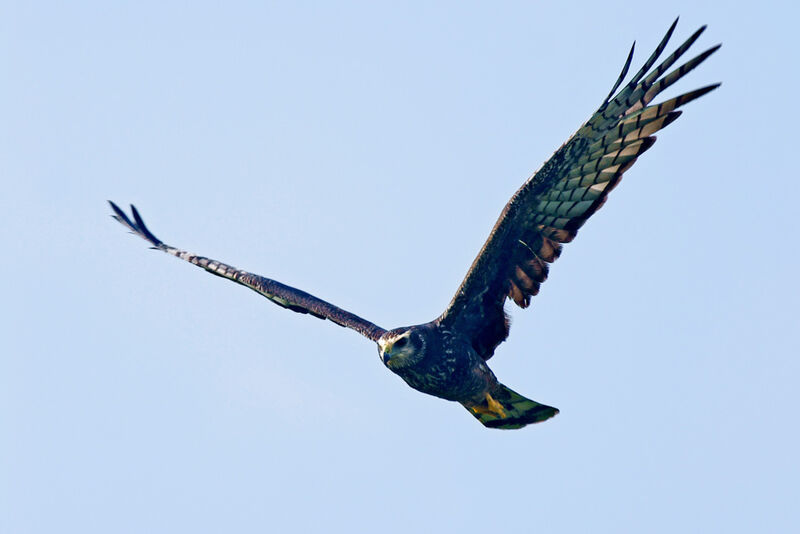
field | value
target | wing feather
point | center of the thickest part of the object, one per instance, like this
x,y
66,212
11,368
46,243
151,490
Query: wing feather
x,y
556,201
278,293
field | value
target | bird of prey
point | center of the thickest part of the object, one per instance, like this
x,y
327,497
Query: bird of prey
x,y
447,356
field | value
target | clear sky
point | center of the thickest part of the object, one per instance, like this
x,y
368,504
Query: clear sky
x,y
362,152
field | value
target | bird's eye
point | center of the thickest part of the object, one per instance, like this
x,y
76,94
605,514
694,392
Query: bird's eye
x,y
400,343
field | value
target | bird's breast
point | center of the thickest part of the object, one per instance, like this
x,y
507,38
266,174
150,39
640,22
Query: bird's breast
x,y
450,371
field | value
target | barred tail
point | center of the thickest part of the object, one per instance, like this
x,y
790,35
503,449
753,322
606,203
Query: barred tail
x,y
519,411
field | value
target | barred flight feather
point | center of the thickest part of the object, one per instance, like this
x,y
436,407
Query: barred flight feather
x,y
570,187
278,293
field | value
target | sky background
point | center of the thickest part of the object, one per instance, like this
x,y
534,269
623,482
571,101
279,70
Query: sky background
x,y
362,153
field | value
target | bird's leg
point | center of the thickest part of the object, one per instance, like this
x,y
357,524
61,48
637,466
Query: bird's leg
x,y
495,407
492,408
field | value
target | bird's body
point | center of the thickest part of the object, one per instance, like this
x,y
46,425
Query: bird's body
x,y
442,363
447,357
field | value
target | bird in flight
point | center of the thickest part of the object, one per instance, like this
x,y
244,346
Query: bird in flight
x,y
447,356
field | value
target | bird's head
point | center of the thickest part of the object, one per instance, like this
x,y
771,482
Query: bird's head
x,y
401,347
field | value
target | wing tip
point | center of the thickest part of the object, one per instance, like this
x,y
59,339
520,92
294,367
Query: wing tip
x,y
136,225
673,25
671,117
647,142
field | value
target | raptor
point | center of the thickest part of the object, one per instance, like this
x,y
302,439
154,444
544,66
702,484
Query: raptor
x,y
447,357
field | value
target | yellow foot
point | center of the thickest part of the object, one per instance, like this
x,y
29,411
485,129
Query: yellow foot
x,y
495,407
492,408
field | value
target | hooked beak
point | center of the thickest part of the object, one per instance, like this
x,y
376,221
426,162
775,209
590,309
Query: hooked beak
x,y
386,352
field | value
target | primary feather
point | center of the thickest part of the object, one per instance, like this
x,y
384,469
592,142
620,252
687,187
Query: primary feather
x,y
570,187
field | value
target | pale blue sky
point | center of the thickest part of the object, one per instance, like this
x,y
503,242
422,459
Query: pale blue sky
x,y
362,152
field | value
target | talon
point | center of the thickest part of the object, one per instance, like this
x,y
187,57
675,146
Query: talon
x,y
492,408
495,407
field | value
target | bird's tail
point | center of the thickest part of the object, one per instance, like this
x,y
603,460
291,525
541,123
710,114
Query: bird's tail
x,y
507,409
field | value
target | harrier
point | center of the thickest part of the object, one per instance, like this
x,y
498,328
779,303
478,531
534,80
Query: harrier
x,y
447,356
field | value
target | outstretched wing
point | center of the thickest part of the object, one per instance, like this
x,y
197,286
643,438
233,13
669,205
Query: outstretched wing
x,y
282,295
573,184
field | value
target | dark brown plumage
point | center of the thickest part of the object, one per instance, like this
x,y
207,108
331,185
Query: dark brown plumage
x,y
446,357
